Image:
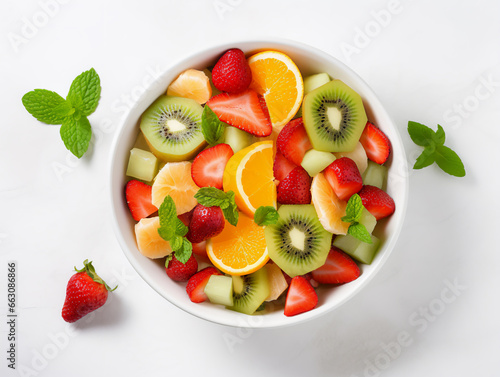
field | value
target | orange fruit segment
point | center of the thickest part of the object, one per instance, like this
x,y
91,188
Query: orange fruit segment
x,y
149,242
192,84
329,207
276,77
239,250
249,173
174,179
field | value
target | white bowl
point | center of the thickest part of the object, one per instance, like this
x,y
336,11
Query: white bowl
x,y
309,60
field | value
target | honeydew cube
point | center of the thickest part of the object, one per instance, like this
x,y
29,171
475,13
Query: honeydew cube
x,y
237,139
368,220
375,175
315,161
219,290
359,250
315,81
142,165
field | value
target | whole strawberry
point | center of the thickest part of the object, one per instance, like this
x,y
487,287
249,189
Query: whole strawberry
x,y
207,222
232,73
85,292
179,271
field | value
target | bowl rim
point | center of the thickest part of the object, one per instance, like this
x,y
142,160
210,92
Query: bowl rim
x,y
180,64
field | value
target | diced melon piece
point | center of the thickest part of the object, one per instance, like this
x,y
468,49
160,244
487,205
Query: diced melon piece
x,y
375,175
315,161
142,165
368,220
358,155
219,290
237,139
277,281
315,81
359,250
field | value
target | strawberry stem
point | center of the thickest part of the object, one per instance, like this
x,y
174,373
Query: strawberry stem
x,y
90,270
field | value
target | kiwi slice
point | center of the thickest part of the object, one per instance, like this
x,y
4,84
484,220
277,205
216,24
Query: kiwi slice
x,y
334,117
297,243
250,291
172,128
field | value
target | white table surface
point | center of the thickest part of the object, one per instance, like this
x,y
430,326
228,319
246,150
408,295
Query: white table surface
x,y
429,61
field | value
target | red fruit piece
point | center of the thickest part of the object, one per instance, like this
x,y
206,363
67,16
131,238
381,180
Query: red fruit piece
x,y
207,222
339,268
200,248
232,73
186,217
377,201
301,297
195,287
138,196
207,169
288,279
243,111
85,292
376,144
179,271
282,167
295,188
293,141
344,177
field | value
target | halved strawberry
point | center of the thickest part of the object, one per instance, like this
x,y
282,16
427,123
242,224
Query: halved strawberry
x,y
344,177
339,268
376,144
295,188
377,201
282,167
301,297
293,141
243,111
208,167
195,287
138,195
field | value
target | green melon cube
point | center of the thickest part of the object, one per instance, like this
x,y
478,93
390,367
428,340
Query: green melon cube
x,y
219,290
368,220
237,139
315,161
375,175
142,165
361,251
315,81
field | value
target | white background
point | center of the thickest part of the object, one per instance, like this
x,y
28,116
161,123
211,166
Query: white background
x,y
429,61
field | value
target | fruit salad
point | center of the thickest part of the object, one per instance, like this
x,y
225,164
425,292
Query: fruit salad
x,y
256,185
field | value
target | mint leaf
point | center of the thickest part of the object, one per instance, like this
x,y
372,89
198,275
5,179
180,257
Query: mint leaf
x,y
85,92
76,134
359,231
434,150
176,242
46,106
167,212
425,159
354,209
420,134
184,252
449,161
180,228
265,215
439,136
211,196
211,127
231,214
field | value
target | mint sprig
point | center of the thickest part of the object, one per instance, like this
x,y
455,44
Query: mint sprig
x,y
354,211
434,149
211,196
211,127
266,215
173,230
71,113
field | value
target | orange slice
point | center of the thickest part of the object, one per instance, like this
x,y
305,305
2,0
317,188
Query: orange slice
x,y
240,249
277,78
249,173
174,179
149,242
329,207
192,84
